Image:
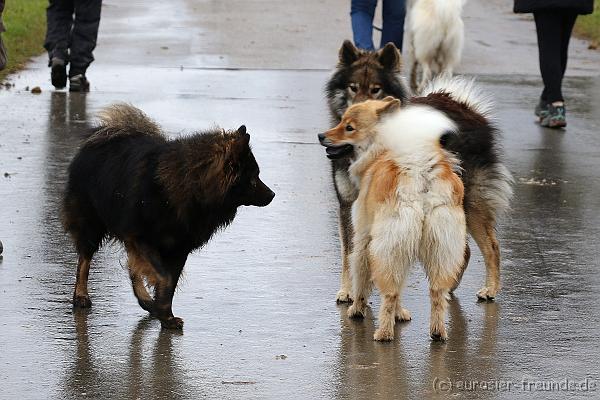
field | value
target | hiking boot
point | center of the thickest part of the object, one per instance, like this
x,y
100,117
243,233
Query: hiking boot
x,y
58,72
79,83
541,109
555,117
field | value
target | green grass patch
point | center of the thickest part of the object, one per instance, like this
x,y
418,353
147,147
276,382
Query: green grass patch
x,y
25,22
588,26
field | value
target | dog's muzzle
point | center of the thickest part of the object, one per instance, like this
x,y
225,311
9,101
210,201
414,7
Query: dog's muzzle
x,y
335,151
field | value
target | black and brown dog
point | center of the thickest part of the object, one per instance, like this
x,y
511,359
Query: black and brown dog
x,y
359,75
161,198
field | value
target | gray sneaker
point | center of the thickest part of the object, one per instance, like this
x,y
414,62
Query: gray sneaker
x,y
555,117
79,83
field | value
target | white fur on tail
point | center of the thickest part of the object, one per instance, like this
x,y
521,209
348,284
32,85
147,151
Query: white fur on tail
x,y
414,131
463,90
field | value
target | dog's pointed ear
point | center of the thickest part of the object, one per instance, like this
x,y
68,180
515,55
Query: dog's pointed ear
x,y
388,99
389,106
390,57
348,53
239,145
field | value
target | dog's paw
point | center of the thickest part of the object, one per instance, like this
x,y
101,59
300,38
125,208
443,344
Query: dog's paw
x,y
402,314
438,333
343,296
383,335
487,293
356,310
172,323
82,301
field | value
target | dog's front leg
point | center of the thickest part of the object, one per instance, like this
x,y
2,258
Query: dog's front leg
x,y
343,295
360,273
346,194
361,281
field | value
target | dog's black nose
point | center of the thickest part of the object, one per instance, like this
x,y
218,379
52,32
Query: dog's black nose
x,y
321,137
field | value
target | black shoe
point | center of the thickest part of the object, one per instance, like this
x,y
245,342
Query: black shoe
x,y
79,83
58,73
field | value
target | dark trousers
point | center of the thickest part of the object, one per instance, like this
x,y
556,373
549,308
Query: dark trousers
x,y
362,13
72,32
554,32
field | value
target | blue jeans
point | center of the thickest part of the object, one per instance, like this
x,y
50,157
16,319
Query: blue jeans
x,y
362,13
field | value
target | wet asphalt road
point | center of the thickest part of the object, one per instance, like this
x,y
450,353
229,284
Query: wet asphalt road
x,y
258,300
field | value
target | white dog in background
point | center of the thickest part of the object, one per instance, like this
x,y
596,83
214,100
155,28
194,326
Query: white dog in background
x,y
435,36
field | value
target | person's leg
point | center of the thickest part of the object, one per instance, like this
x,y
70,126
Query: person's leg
x,y
548,26
568,21
394,12
85,33
362,13
59,15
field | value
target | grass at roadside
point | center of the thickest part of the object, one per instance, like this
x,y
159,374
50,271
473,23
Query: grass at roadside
x,y
25,22
588,26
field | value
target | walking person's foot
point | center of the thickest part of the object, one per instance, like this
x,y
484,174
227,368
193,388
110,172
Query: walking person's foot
x,y
555,116
58,72
79,83
541,109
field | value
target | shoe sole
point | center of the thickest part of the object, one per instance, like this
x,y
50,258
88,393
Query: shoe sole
x,y
79,88
559,124
58,76
553,124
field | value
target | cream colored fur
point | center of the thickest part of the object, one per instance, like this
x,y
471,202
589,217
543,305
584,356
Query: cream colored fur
x,y
422,220
435,38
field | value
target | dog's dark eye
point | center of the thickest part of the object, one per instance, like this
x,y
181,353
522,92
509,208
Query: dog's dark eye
x,y
349,128
375,90
353,87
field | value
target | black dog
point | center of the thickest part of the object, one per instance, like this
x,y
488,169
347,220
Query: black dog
x,y
161,198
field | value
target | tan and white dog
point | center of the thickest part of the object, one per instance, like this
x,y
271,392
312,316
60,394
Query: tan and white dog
x,y
409,207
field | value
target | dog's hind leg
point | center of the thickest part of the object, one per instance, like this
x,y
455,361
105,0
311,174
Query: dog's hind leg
x,y
87,235
414,76
388,290
425,76
139,268
81,297
395,236
389,279
482,227
443,254
462,270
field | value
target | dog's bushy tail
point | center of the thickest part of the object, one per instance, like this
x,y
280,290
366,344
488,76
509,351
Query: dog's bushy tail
x,y
490,183
463,90
124,119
